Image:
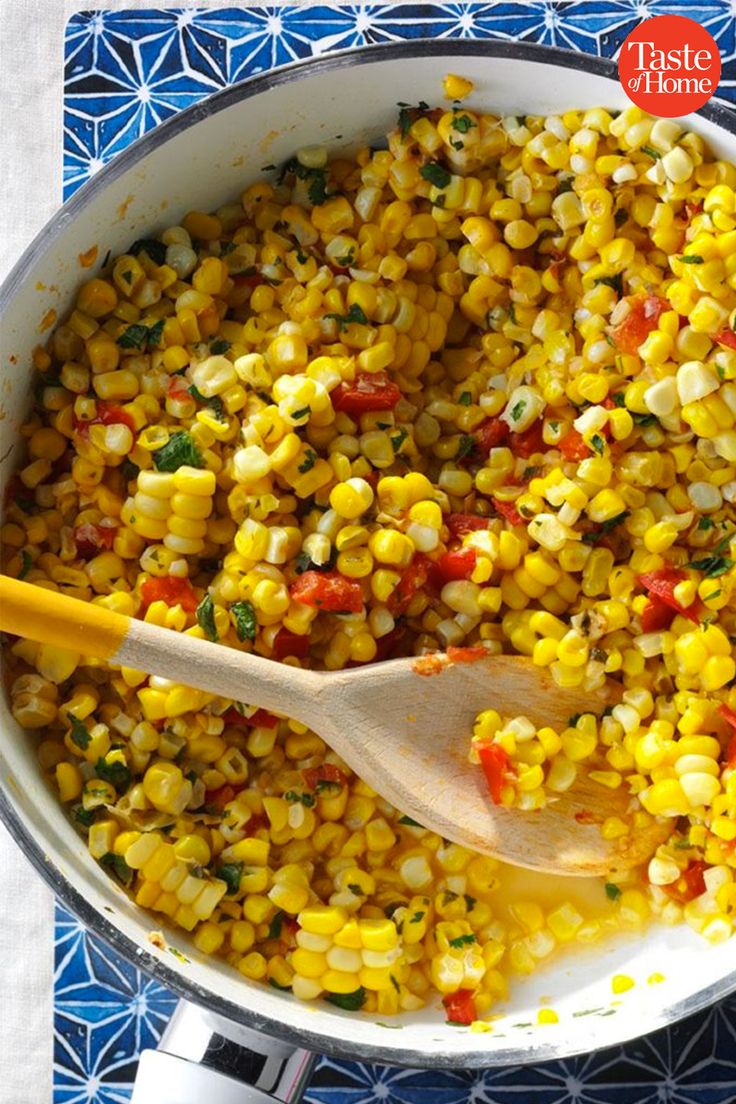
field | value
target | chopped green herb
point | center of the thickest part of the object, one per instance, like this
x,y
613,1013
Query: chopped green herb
x,y
621,216
465,398
706,523
409,115
530,472
691,258
156,250
84,816
518,409
230,874
215,403
619,400
653,153
462,123
462,940
346,260
115,772
712,566
417,917
351,1002
616,282
612,891
595,535
598,443
721,371
219,346
227,247
317,189
355,889
410,822
355,314
155,332
310,459
302,412
117,865
206,618
466,446
398,440
79,733
306,799
436,174
134,336
682,845
564,185
645,419
179,449
129,470
301,256
25,563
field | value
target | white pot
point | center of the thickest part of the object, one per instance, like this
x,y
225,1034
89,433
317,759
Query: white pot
x,y
199,159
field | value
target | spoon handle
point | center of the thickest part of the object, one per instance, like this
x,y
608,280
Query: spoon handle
x,y
48,617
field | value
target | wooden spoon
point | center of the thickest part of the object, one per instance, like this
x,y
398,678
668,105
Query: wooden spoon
x,y
403,726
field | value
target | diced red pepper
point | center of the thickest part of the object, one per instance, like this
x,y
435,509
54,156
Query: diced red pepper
x,y
91,539
639,322
729,715
460,1006
462,524
368,391
458,564
178,388
528,442
248,279
662,585
171,590
107,414
692,209
573,447
690,884
326,772
260,719
220,798
287,643
726,338
329,591
495,763
657,615
420,572
466,655
508,511
490,435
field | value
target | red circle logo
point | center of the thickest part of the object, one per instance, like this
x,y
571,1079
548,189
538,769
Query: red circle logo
x,y
669,66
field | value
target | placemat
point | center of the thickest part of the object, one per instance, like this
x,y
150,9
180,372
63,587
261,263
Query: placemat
x,y
127,71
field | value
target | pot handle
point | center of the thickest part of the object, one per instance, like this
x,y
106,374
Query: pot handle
x,y
203,1057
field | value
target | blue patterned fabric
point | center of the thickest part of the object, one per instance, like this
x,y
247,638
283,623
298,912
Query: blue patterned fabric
x,y
127,71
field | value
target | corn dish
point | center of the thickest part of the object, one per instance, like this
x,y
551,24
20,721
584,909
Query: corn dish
x,y
474,389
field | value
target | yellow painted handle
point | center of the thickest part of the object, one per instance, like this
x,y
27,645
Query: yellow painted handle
x,y
51,618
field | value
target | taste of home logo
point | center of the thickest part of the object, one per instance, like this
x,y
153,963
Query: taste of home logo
x,y
669,65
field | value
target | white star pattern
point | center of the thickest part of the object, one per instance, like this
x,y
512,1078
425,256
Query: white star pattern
x,y
127,71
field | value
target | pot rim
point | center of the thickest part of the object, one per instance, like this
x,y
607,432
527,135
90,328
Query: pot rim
x,y
718,113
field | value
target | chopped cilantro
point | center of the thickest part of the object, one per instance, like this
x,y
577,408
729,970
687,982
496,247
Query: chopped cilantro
x,y
355,889
302,412
134,336
462,940
398,440
518,409
117,865
317,189
621,216
409,821
355,314
129,470
653,153
436,174
706,523
227,247
351,1002
155,331
310,459
598,443
219,346
346,260
274,929
465,398
156,250
712,566
466,446
230,874
619,400
306,799
409,115
206,618
25,563
179,449
616,282
612,891
645,419
115,772
690,258
79,733
462,123
83,816
595,535
564,185
215,403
